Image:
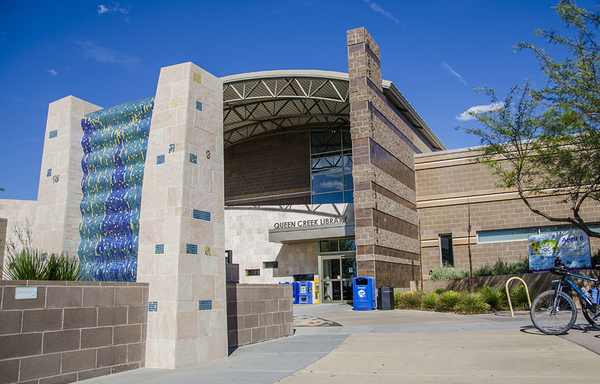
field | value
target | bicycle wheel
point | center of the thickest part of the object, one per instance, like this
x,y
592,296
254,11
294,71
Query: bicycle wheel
x,y
553,320
591,313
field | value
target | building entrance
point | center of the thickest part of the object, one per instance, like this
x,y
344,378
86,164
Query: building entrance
x,y
337,272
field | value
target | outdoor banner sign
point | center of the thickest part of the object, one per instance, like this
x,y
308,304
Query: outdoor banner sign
x,y
572,246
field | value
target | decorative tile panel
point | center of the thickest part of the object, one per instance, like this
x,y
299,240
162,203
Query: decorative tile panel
x,y
52,134
207,251
171,148
160,159
191,249
55,178
207,154
199,106
153,306
193,158
204,305
201,215
114,152
49,172
159,249
175,103
197,78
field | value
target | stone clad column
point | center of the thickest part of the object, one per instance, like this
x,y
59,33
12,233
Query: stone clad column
x,y
181,246
57,217
383,172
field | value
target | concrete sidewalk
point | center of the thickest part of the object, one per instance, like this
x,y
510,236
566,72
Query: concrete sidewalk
x,y
341,345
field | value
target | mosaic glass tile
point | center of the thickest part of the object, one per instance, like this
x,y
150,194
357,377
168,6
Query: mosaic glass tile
x,y
204,305
199,106
175,103
193,158
159,249
207,154
191,249
52,134
55,178
171,148
207,251
160,159
153,306
201,215
114,153
197,78
49,172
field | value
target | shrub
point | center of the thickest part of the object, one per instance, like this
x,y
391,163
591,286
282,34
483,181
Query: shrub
x,y
25,265
439,291
518,297
446,272
448,300
503,268
397,296
410,300
430,301
471,303
29,264
493,297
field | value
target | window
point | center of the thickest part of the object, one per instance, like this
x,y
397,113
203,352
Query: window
x,y
252,272
446,252
331,166
270,264
337,245
519,234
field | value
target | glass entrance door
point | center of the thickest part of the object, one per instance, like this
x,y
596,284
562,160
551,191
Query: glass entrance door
x,y
337,272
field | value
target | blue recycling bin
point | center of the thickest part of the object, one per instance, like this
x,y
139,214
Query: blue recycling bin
x,y
364,293
305,292
295,291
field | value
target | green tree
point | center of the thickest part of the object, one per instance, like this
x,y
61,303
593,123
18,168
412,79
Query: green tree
x,y
546,141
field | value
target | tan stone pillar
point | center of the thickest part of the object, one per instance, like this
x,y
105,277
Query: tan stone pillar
x,y
57,216
181,244
387,245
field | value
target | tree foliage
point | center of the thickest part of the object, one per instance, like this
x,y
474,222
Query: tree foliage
x,y
547,141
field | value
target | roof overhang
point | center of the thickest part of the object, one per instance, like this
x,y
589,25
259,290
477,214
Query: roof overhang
x,y
271,103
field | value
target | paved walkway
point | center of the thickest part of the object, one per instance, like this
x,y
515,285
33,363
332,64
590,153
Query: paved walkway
x,y
333,344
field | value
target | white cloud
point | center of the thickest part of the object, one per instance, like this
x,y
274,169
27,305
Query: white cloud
x,y
377,8
331,185
468,114
113,8
453,72
93,51
52,72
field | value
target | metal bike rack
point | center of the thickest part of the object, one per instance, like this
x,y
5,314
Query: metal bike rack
x,y
512,313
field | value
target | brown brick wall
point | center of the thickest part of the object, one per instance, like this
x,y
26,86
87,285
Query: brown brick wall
x,y
258,312
268,166
446,182
72,331
384,144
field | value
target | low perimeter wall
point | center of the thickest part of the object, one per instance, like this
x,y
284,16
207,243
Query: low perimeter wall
x,y
71,331
258,312
537,282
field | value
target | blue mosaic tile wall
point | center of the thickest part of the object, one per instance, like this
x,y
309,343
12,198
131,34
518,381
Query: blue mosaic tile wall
x,y
114,146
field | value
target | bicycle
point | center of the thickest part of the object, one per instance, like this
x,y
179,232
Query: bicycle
x,y
554,312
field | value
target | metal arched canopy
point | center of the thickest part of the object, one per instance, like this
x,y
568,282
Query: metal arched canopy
x,y
276,102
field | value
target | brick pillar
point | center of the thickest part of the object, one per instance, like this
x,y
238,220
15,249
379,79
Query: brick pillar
x,y
57,216
181,245
383,172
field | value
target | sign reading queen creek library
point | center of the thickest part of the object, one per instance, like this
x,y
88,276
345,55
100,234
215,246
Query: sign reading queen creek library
x,y
309,223
572,246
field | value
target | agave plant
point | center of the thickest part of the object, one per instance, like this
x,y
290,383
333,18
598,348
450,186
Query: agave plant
x,y
27,264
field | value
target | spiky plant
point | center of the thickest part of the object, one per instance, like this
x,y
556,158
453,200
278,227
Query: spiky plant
x,y
471,303
448,300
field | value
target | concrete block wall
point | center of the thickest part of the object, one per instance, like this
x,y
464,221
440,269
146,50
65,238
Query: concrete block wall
x,y
72,331
449,185
273,170
258,312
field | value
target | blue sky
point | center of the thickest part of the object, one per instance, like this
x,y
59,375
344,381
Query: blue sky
x,y
108,53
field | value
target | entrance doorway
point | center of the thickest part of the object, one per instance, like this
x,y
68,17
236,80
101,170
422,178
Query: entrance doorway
x,y
338,272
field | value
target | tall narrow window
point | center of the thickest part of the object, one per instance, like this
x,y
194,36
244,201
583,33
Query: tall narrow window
x,y
331,166
446,252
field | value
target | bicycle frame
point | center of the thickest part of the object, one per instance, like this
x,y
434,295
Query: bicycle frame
x,y
564,277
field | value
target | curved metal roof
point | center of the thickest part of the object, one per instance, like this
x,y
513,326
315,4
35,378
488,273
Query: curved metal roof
x,y
277,102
